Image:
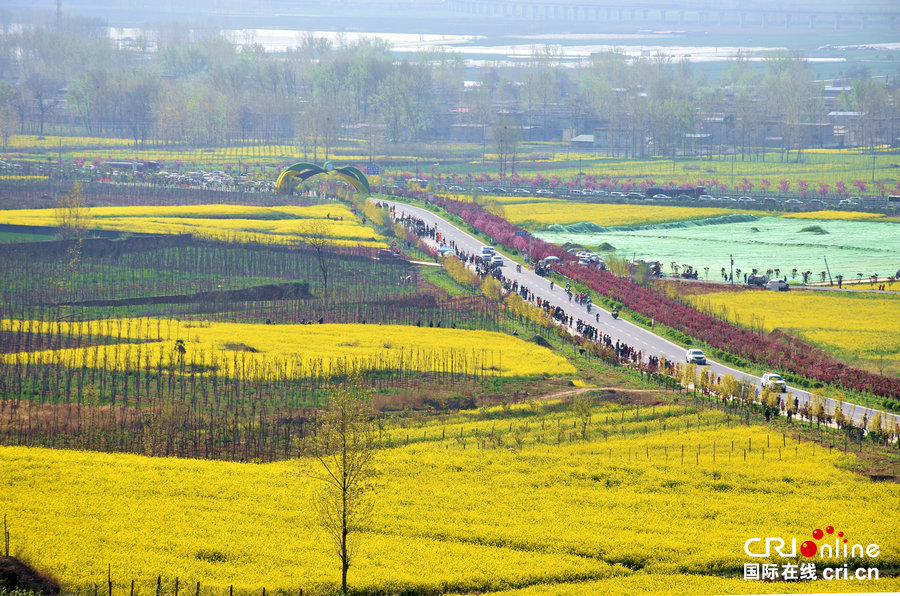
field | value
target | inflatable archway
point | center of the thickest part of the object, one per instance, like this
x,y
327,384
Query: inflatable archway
x,y
304,171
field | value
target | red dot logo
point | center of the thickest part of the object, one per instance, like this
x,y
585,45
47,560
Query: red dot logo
x,y
808,549
830,529
841,534
817,534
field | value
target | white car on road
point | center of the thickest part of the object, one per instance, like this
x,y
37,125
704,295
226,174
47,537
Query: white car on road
x,y
774,381
695,356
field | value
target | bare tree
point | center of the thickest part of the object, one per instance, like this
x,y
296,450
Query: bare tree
x,y
72,215
45,91
317,235
72,223
544,80
581,405
7,114
345,448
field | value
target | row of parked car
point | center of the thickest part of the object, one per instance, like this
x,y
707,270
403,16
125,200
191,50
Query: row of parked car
x,y
586,192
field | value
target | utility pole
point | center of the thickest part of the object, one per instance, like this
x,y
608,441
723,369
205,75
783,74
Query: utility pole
x,y
732,168
731,274
830,281
873,162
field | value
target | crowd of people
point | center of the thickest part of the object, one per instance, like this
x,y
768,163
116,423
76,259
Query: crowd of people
x,y
482,266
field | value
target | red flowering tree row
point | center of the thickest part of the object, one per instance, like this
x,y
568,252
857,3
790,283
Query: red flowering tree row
x,y
784,354
500,230
784,186
793,356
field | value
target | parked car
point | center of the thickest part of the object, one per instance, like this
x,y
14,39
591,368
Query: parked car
x,y
496,261
777,285
847,203
758,280
386,254
660,196
695,356
774,381
793,202
634,195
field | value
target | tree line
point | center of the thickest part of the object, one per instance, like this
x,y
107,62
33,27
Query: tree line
x,y
176,85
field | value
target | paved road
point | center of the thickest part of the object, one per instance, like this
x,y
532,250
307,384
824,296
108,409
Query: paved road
x,y
624,331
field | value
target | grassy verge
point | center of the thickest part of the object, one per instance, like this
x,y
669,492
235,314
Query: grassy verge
x,y
438,278
21,237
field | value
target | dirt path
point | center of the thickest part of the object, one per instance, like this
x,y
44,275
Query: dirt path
x,y
580,390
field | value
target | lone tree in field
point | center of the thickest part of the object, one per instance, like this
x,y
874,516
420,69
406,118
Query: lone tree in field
x,y
72,216
344,446
581,405
317,235
72,223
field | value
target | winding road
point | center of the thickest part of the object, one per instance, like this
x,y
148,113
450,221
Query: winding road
x,y
624,331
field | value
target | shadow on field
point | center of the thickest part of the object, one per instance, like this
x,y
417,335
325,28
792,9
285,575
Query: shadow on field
x,y
15,574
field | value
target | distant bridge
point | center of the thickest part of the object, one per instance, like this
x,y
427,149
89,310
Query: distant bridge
x,y
685,14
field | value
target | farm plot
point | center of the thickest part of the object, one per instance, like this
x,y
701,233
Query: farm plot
x,y
842,215
164,275
575,496
762,243
853,326
279,351
541,215
335,223
227,390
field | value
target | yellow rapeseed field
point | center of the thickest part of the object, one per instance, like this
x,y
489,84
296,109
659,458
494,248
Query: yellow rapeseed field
x,y
648,584
483,500
282,225
843,215
537,215
891,286
52,142
865,326
21,178
276,351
